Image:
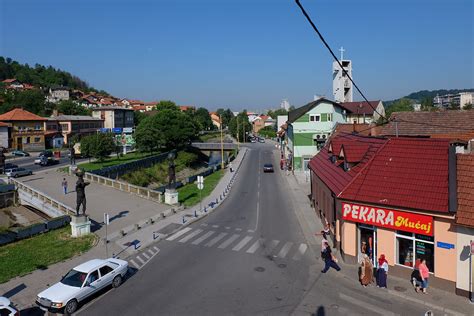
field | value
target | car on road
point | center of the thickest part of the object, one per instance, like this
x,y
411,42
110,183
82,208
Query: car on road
x,y
268,167
18,172
81,282
261,140
7,308
43,154
20,153
47,161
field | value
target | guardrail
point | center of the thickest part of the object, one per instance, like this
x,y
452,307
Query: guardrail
x,y
215,146
149,194
49,205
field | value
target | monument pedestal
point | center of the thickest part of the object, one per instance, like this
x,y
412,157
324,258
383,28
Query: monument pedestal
x,y
80,225
171,197
72,169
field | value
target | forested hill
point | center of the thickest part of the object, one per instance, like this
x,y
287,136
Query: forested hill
x,y
418,97
40,76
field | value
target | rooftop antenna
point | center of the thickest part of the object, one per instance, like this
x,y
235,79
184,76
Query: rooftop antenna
x,y
342,50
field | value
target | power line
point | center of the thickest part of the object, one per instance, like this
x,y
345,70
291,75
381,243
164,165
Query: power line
x,y
335,58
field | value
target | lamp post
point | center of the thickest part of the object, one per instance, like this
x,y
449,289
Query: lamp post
x,y
222,144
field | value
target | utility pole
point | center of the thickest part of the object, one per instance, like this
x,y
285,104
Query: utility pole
x,y
222,144
238,142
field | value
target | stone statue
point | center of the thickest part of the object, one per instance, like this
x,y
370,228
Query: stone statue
x,y
81,192
72,154
171,171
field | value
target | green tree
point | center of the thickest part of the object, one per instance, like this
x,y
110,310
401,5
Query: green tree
x,y
467,106
203,119
226,116
146,135
427,104
401,105
69,107
268,131
176,130
240,124
138,117
30,100
99,145
166,105
274,113
453,106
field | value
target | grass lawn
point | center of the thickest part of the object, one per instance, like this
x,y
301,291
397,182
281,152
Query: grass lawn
x,y
189,194
112,161
40,251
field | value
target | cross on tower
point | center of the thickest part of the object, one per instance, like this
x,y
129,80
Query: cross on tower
x,y
342,50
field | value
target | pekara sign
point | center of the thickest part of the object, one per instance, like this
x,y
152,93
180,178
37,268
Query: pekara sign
x,y
386,218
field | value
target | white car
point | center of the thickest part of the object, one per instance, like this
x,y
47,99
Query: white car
x,y
80,283
6,308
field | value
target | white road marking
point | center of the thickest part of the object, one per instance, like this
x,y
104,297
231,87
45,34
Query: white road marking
x,y
250,231
284,251
146,256
255,246
228,241
215,240
151,252
242,243
154,247
366,305
134,263
238,229
141,260
215,226
203,224
301,251
202,238
272,245
192,235
179,234
227,227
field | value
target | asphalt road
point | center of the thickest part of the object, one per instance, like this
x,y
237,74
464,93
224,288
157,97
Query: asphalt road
x,y
249,257
29,162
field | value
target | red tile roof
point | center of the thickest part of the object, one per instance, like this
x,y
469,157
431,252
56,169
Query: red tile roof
x,y
186,107
332,173
18,114
10,80
361,129
465,176
410,173
361,107
430,123
4,124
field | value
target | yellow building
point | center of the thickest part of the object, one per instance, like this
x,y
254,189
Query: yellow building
x,y
26,130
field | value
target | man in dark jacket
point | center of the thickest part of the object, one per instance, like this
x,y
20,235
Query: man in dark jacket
x,y
328,259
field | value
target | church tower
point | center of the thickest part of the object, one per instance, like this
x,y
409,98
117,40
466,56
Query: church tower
x,y
341,85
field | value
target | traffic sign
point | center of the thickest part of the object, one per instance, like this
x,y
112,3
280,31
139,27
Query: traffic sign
x,y
200,186
200,179
106,219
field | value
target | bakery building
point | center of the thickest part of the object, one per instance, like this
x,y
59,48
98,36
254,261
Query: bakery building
x,y
396,196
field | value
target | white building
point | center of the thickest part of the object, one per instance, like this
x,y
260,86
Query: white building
x,y
341,85
459,100
285,104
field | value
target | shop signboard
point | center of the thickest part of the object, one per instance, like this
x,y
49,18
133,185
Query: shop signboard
x,y
387,218
444,245
128,130
117,130
104,130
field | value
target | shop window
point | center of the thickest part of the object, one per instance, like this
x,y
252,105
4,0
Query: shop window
x,y
37,139
412,248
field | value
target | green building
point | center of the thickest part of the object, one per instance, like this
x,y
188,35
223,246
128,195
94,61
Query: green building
x,y
308,129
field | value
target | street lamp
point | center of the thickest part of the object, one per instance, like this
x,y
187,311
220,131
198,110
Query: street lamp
x,y
222,144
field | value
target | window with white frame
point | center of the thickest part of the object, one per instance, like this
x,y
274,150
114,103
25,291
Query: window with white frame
x,y
412,248
314,117
329,117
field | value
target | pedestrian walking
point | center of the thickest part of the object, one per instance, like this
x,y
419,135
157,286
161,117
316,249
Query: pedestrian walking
x,y
382,272
424,274
367,271
329,260
230,167
64,185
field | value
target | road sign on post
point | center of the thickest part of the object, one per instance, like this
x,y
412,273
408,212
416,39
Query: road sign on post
x,y
200,186
106,223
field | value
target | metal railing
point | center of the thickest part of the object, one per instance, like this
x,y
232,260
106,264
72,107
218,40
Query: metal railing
x,y
125,187
43,198
214,146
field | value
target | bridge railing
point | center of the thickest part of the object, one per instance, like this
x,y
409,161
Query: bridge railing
x,y
45,200
149,194
215,146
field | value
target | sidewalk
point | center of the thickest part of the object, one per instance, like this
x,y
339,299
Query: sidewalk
x,y
22,291
437,300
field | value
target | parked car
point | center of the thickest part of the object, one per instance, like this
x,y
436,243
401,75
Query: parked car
x,y
44,153
80,283
7,308
261,140
268,167
18,172
47,161
20,153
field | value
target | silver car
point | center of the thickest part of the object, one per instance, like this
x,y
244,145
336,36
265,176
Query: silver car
x,y
18,172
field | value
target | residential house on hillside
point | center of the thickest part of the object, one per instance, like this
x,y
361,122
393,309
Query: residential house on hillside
x,y
261,122
185,108
89,101
394,196
308,128
58,93
71,125
458,100
454,124
361,112
216,120
26,131
150,106
116,119
15,84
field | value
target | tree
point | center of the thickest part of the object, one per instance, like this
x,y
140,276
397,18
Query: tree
x,y
69,107
401,105
268,131
146,135
167,105
138,117
30,100
427,104
226,116
99,145
453,106
467,106
203,119
275,113
240,124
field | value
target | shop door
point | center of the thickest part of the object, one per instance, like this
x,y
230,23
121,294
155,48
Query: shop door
x,y
368,241
19,143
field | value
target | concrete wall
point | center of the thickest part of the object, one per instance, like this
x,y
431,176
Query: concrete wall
x,y
385,244
445,259
463,269
349,238
4,136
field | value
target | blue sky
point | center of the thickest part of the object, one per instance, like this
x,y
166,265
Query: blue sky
x,y
244,53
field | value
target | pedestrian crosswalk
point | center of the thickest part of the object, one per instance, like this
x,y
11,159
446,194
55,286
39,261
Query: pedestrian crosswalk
x,y
143,257
249,244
